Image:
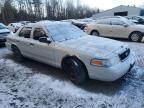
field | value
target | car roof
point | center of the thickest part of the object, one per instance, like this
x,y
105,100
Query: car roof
x,y
45,23
106,17
113,17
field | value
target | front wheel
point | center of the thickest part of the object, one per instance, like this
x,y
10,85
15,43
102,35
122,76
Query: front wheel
x,y
94,33
75,70
136,37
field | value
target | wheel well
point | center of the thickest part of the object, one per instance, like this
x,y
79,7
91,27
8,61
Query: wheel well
x,y
94,31
68,57
13,46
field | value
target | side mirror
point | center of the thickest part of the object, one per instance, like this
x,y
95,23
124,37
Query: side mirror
x,y
45,40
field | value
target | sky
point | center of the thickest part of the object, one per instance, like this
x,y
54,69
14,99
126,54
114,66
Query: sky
x,y
108,4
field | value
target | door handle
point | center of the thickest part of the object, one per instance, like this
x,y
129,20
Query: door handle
x,y
31,44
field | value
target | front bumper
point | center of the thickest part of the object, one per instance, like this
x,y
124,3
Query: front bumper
x,y
112,73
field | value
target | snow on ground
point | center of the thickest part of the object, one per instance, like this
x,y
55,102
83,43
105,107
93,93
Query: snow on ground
x,y
35,85
138,49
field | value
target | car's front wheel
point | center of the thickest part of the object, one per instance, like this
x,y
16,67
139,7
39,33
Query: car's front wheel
x,y
17,54
75,70
136,37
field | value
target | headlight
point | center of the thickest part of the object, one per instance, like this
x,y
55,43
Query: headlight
x,y
99,62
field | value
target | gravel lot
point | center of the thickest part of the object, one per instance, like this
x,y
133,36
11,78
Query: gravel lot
x,y
35,85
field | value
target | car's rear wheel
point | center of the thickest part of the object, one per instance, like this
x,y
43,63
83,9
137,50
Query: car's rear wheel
x,y
95,33
17,54
75,70
136,37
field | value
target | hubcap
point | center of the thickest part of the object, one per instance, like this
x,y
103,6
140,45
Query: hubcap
x,y
135,37
95,33
71,70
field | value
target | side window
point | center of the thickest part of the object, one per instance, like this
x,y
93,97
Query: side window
x,y
38,32
117,22
104,21
25,32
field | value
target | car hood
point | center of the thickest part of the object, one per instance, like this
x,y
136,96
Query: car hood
x,y
4,31
96,46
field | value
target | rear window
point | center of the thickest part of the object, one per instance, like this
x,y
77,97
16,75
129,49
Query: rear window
x,y
25,32
117,22
104,21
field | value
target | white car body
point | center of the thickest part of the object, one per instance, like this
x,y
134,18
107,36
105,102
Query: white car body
x,y
14,26
118,27
76,43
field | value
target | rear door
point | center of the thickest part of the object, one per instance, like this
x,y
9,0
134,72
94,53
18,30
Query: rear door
x,y
23,41
43,52
104,27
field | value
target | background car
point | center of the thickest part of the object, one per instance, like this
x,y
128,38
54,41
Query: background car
x,y
14,26
88,20
116,27
3,33
65,46
79,24
25,22
139,19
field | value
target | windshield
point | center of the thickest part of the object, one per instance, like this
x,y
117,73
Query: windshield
x,y
64,31
130,22
2,26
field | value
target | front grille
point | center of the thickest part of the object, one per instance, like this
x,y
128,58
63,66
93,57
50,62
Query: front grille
x,y
124,55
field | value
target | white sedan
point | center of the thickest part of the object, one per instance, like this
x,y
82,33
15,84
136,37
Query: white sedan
x,y
65,46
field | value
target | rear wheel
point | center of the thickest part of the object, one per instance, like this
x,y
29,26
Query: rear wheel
x,y
95,33
17,54
136,37
75,70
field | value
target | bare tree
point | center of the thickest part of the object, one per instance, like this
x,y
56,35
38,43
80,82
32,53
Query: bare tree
x,y
16,10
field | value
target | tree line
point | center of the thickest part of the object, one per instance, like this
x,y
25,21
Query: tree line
x,y
35,10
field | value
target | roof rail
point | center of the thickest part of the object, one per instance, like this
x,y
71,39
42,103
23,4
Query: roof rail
x,y
110,17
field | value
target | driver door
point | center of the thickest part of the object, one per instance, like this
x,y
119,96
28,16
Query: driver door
x,y
42,51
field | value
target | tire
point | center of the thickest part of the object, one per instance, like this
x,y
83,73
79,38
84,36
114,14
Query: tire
x,y
17,54
95,33
75,70
136,37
